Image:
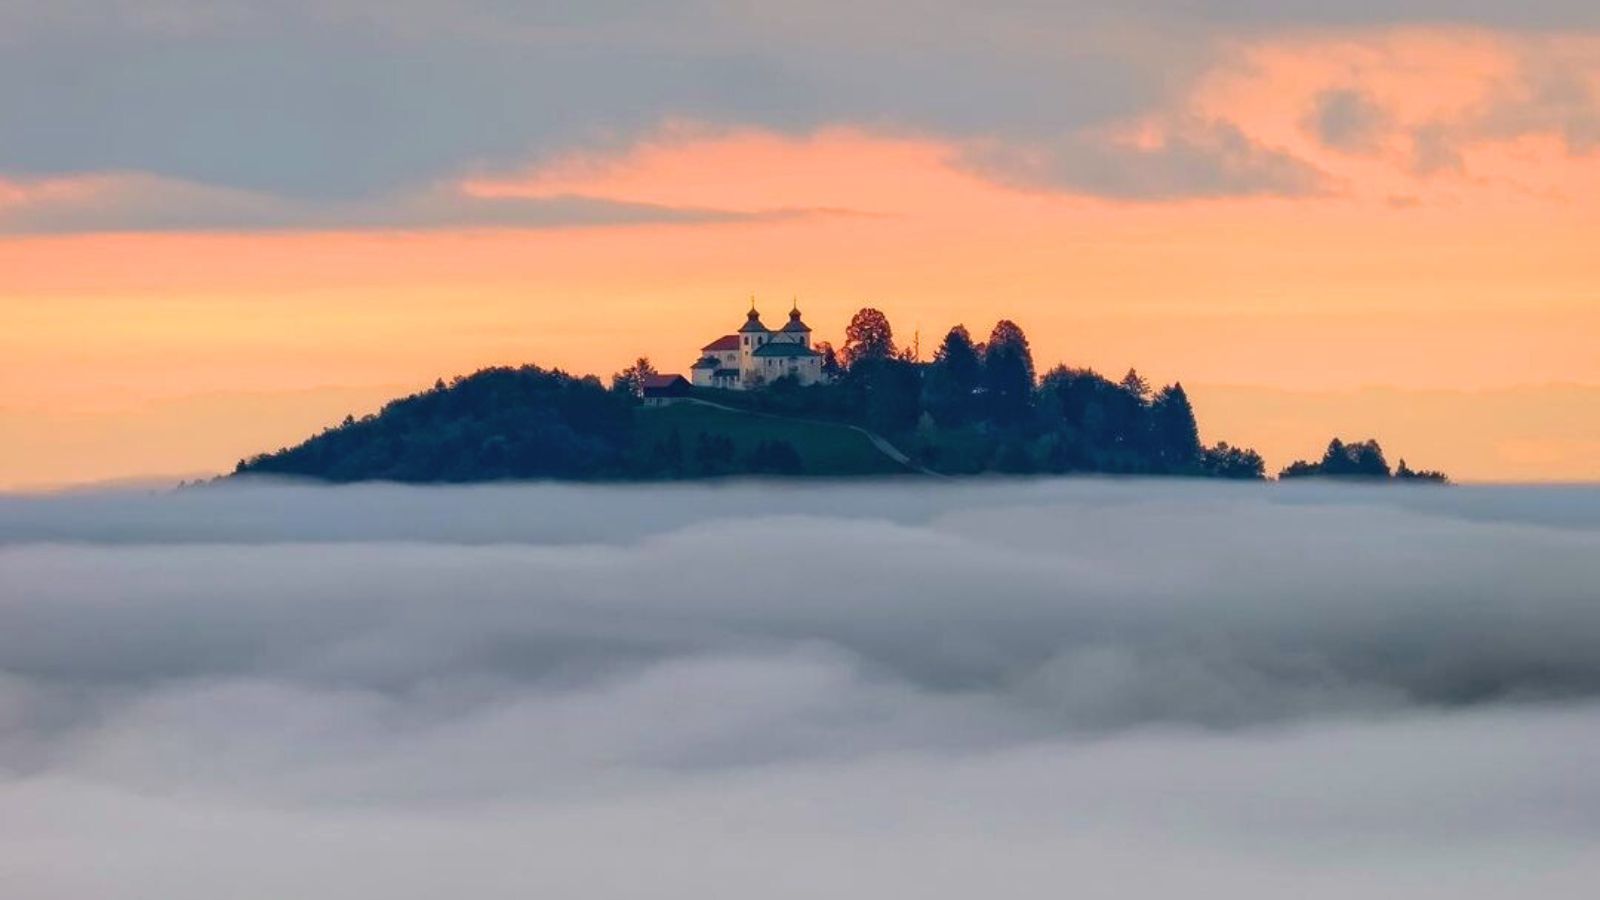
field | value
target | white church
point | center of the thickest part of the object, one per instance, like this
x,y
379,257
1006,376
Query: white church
x,y
758,356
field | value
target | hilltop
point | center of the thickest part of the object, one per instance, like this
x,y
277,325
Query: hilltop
x,y
870,410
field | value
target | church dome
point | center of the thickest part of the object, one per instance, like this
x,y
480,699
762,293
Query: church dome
x,y
752,321
794,321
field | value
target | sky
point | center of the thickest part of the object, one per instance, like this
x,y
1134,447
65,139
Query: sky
x,y
1108,689
224,225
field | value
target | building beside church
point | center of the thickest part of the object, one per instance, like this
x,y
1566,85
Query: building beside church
x,y
756,355
661,390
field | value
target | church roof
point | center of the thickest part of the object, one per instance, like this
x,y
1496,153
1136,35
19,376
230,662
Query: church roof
x,y
784,349
752,322
726,342
794,321
707,362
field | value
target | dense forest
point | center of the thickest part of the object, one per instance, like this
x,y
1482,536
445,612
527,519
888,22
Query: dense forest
x,y
977,406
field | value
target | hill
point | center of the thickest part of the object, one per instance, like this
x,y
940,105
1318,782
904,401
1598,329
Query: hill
x,y
533,423
495,424
975,408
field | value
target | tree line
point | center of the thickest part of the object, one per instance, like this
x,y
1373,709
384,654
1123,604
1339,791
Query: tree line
x,y
980,406
1358,460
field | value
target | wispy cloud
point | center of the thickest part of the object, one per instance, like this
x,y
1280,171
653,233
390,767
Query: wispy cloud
x,y
145,203
1191,159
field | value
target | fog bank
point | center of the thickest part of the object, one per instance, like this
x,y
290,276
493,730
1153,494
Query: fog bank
x,y
1008,688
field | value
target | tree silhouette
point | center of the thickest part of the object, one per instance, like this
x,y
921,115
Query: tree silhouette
x,y
1359,460
1099,427
1405,473
632,379
830,359
868,336
1368,459
1174,434
1008,374
1224,461
1363,459
891,390
1136,386
951,379
1299,469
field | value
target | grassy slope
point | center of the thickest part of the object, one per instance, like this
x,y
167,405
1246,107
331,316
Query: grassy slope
x,y
825,449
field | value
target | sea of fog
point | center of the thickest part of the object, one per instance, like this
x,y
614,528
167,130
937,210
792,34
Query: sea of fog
x,y
1056,688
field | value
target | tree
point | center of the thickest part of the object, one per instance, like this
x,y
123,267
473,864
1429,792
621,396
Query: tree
x,y
1174,434
1098,424
952,378
868,337
1223,461
1360,460
891,390
830,359
1299,469
1367,459
1136,386
1341,460
1008,374
1406,473
632,379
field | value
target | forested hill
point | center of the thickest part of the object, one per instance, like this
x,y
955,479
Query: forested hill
x,y
975,408
532,423
496,424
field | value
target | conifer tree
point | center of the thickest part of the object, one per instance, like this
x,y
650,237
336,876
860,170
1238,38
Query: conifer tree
x,y
1175,434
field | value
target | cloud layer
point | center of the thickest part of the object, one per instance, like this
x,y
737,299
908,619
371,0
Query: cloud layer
x,y
139,203
352,102
1116,688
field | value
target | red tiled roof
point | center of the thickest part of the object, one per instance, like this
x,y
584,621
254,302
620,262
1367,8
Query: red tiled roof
x,y
726,342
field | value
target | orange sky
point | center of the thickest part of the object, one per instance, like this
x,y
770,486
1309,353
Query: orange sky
x,y
1416,279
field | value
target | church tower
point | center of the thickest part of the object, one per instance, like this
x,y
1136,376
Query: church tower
x,y
752,337
796,332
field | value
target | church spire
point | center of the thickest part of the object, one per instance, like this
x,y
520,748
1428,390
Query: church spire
x,y
795,325
752,319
